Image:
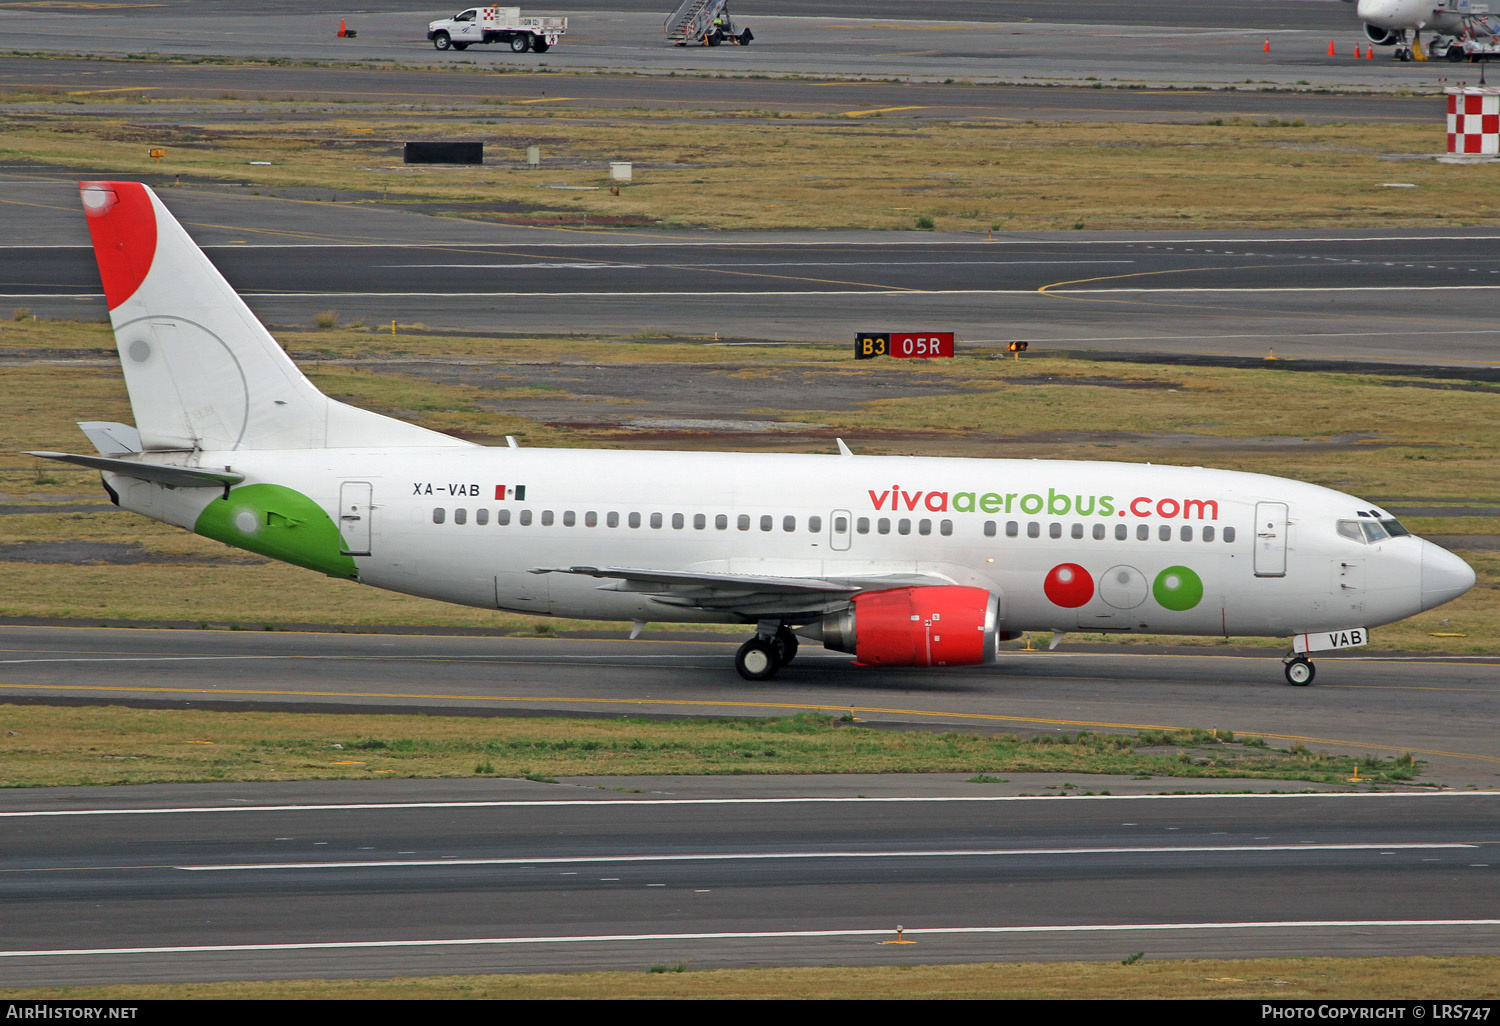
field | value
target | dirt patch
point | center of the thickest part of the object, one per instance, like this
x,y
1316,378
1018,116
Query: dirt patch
x,y
1466,542
616,393
1054,379
1265,443
116,553
9,510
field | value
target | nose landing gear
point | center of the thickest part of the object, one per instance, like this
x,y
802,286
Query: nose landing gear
x,y
1299,670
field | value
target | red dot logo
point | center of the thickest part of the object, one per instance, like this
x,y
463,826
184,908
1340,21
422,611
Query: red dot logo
x,y
1068,585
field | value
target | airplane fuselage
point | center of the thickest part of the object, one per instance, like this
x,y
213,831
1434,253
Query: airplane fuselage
x,y
1433,15
1065,545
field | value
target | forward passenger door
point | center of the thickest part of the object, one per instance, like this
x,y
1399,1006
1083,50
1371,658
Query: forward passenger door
x,y
1270,539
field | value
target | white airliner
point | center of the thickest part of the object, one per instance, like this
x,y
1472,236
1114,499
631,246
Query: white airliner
x,y
1387,23
901,561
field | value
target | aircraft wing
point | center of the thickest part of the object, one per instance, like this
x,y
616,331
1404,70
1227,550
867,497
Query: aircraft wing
x,y
752,595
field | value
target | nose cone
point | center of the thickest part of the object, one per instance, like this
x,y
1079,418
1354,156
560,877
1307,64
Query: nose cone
x,y
1444,576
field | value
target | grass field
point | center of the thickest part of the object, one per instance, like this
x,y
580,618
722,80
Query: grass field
x,y
760,170
1450,978
89,745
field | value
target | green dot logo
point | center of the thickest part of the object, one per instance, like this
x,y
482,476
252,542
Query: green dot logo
x,y
1177,588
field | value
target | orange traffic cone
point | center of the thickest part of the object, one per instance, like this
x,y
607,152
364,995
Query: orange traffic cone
x,y
1370,53
1357,53
1331,51
342,30
1267,47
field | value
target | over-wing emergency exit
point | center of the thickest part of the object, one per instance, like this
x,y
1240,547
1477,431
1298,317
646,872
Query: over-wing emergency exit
x,y
899,561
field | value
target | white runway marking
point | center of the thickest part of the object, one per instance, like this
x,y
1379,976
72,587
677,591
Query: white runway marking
x,y
139,659
914,853
652,802
601,241
930,931
611,266
717,295
524,267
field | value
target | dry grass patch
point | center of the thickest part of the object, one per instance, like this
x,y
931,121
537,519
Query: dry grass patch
x,y
43,404
757,171
251,595
46,746
58,335
1448,978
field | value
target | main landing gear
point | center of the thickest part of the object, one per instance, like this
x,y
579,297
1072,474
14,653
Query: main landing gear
x,y
1299,670
773,646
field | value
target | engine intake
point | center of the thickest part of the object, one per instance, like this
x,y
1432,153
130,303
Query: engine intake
x,y
1381,36
939,625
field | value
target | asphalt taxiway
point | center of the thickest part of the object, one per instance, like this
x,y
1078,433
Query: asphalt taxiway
x,y
1133,43
433,878
165,93
1439,708
1419,296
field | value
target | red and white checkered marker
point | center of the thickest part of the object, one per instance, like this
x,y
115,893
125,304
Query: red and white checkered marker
x,y
1473,120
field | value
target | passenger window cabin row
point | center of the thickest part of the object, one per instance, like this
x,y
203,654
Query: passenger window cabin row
x,y
591,518
1099,532
814,524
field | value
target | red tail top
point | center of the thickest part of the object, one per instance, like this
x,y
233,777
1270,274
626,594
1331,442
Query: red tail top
x,y
122,224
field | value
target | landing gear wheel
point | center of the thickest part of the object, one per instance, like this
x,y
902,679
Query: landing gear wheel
x,y
786,645
1300,672
441,41
757,660
540,45
460,46
715,38
520,44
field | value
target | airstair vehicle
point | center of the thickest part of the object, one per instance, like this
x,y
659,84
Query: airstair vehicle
x,y
1477,40
1480,39
704,23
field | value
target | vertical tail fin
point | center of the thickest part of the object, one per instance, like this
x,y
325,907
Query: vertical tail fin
x,y
202,371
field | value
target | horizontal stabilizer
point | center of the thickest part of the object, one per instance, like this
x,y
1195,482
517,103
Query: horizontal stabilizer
x,y
176,477
112,439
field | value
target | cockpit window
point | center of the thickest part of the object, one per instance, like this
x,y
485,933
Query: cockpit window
x,y
1371,531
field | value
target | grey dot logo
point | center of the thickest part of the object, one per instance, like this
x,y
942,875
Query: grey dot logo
x,y
1123,587
140,350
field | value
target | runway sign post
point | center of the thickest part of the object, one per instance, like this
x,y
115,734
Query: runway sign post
x,y
904,345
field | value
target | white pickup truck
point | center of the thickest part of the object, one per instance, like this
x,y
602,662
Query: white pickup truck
x,y
496,25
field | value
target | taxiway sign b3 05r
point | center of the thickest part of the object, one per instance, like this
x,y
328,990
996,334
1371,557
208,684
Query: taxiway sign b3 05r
x,y
900,561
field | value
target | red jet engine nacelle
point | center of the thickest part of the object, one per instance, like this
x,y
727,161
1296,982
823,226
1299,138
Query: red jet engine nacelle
x,y
938,625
